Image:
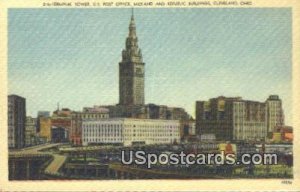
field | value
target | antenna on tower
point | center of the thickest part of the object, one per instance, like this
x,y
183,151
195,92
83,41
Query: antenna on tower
x,y
132,13
57,106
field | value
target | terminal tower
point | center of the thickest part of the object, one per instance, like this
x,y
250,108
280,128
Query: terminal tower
x,y
131,71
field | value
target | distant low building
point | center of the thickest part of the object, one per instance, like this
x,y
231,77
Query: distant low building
x,y
245,148
207,137
283,134
43,114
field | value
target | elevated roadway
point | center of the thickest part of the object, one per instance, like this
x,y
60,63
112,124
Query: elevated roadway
x,y
35,152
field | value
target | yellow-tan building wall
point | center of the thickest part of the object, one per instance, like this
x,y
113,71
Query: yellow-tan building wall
x,y
45,128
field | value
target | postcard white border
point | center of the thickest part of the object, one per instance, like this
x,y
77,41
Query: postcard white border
x,y
148,185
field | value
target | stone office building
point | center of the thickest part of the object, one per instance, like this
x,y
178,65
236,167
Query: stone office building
x,y
275,116
233,118
30,131
88,113
16,121
129,131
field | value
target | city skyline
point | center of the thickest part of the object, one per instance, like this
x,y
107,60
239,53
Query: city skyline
x,y
93,53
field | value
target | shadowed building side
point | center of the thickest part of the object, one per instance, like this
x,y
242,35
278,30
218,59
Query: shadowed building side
x,y
16,121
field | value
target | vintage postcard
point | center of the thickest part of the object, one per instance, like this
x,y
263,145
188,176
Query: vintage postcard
x,y
149,95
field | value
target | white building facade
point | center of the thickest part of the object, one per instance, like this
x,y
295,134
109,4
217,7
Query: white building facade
x,y
128,131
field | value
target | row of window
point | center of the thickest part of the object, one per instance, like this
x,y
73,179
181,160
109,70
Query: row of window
x,y
151,135
127,126
90,140
119,134
89,116
102,139
105,134
89,130
93,126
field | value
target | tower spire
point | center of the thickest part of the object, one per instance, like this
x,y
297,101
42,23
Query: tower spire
x,y
132,24
132,28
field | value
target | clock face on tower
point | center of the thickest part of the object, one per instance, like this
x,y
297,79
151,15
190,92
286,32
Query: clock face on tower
x,y
139,72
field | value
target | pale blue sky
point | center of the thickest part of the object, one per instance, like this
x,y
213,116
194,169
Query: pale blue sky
x,y
71,56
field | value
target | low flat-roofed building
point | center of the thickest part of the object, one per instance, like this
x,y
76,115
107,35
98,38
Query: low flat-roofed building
x,y
128,131
283,134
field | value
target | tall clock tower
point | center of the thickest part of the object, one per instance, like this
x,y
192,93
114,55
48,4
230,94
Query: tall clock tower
x,y
131,71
